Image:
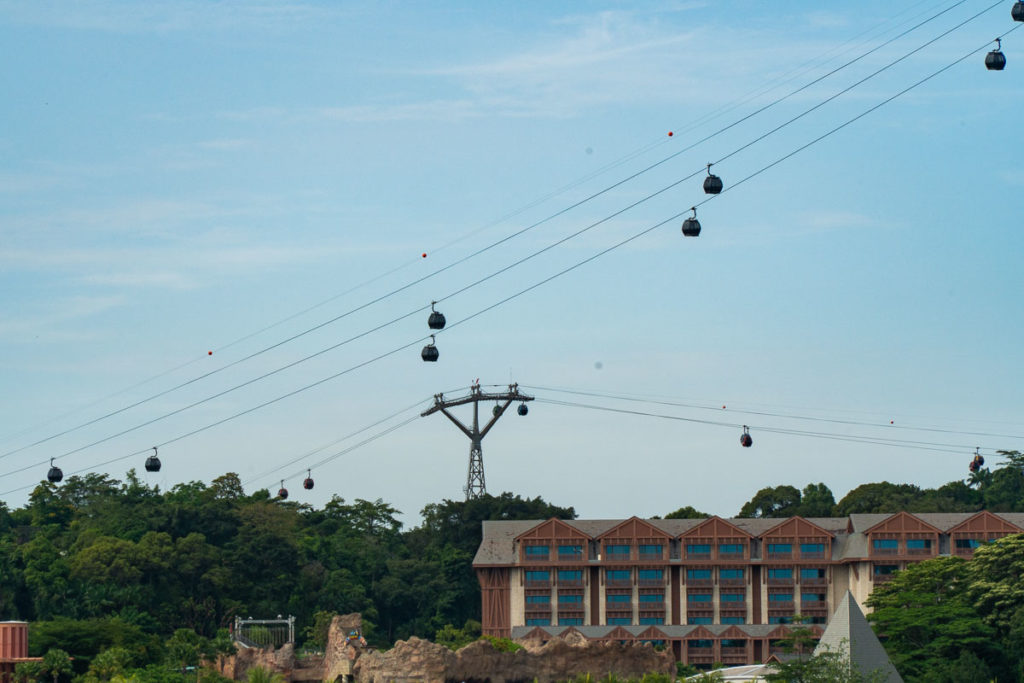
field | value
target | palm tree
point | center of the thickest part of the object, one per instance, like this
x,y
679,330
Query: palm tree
x,y
260,675
56,662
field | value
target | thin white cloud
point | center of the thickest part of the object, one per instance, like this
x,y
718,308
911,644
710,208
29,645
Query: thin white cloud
x,y
129,16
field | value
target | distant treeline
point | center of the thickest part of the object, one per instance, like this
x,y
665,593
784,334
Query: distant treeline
x,y
97,563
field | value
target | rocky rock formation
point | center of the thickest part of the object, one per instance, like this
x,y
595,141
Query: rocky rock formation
x,y
421,661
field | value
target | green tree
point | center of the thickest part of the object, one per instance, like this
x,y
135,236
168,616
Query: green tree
x,y
773,501
108,664
455,638
996,588
687,512
260,675
56,663
817,501
28,672
880,497
926,618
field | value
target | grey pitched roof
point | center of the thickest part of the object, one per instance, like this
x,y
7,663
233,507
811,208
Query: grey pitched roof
x,y
849,631
863,521
497,546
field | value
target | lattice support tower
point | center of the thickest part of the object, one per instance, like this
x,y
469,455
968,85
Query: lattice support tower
x,y
475,483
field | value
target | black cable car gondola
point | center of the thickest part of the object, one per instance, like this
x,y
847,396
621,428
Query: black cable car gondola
x,y
1018,11
55,474
307,483
977,462
712,184
496,411
522,410
691,226
746,440
282,492
996,60
436,320
153,462
429,352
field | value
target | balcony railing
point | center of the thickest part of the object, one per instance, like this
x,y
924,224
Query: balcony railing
x,y
730,556
650,583
537,584
780,606
698,582
779,555
698,556
813,581
733,582
774,581
570,583
730,607
885,551
812,554
740,651
619,583
881,578
919,551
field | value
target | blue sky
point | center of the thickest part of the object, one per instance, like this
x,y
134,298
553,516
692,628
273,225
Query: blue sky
x,y
177,176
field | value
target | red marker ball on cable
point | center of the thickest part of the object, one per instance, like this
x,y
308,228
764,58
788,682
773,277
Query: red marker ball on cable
x,y
670,133
424,254
209,353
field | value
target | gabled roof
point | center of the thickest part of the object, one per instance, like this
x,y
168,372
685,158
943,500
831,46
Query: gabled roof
x,y
701,633
536,633
849,631
733,632
797,526
634,527
985,521
716,527
653,633
552,529
619,633
902,522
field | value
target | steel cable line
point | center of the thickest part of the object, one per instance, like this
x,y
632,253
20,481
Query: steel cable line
x,y
311,453
900,443
856,423
488,247
545,280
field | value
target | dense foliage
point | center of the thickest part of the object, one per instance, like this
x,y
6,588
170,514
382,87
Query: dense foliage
x,y
120,578
954,619
98,564
1001,490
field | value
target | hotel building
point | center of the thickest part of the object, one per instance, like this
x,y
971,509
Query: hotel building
x,y
715,590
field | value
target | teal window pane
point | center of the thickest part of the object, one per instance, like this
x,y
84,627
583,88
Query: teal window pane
x,y
780,573
538,599
699,597
812,547
812,573
698,573
619,598
570,575
698,620
780,597
730,573
570,622
733,620
617,574
919,544
650,549
537,576
572,550
730,549
731,597
617,549
780,547
885,543
652,598
650,574
652,620
620,621
538,622
536,551
563,599
698,549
